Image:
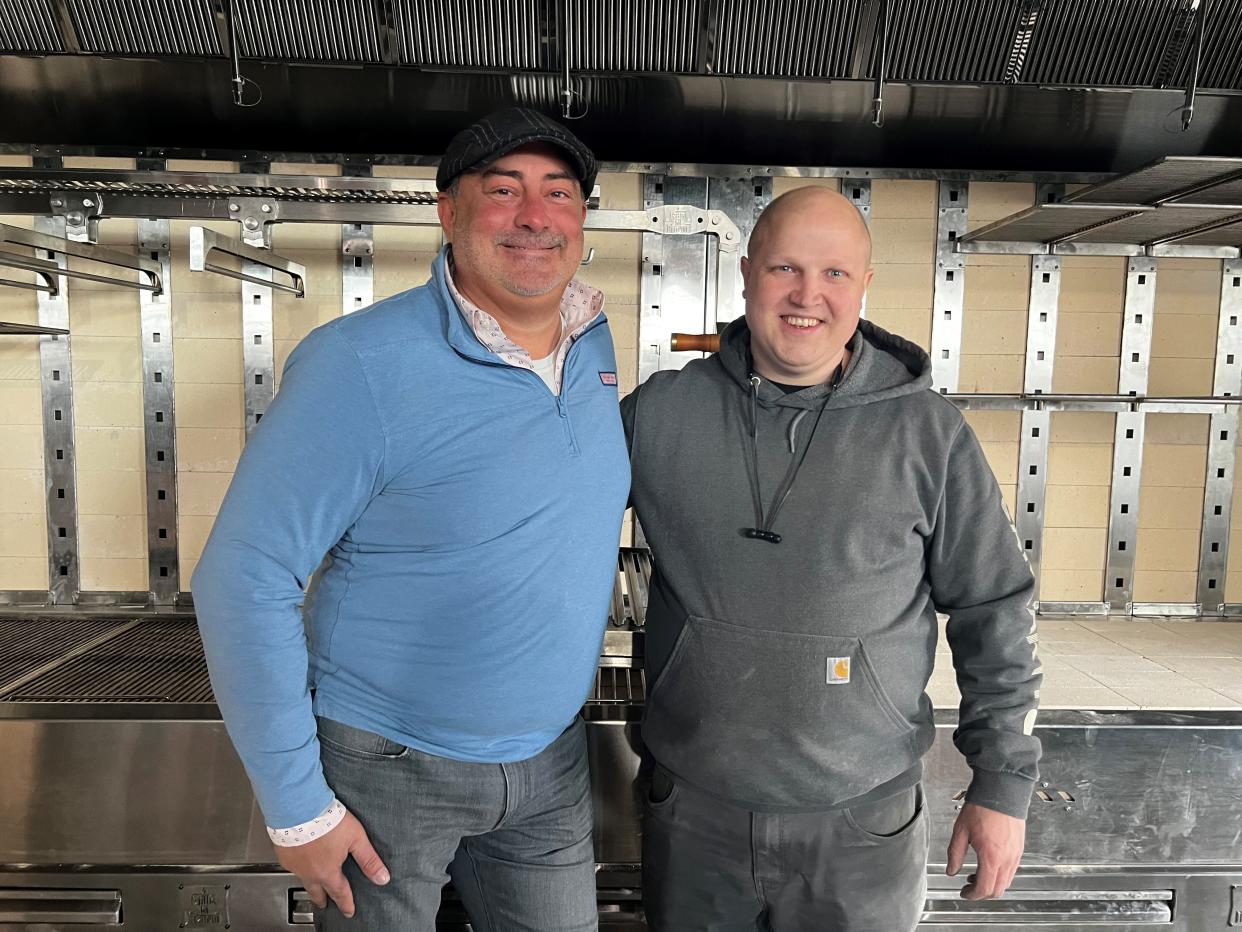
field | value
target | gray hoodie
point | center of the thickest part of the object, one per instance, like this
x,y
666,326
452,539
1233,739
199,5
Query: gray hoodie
x,y
790,676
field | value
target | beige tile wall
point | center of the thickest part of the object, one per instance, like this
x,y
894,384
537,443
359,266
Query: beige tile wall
x,y
207,348
23,525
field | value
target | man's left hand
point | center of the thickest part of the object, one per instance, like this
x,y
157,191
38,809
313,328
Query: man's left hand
x,y
998,840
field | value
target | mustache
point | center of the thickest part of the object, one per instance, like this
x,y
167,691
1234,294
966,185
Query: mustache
x,y
532,241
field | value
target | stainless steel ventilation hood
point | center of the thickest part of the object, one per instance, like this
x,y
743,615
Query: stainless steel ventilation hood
x,y
988,84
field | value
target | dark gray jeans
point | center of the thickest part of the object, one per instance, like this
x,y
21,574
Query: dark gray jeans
x,y
514,838
712,867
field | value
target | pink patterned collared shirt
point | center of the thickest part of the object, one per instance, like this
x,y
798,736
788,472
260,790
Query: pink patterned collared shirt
x,y
580,305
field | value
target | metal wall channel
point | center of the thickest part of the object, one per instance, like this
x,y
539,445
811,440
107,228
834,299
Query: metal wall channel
x,y
1222,446
858,192
650,293
258,352
159,418
59,461
1123,504
673,289
357,256
949,290
742,199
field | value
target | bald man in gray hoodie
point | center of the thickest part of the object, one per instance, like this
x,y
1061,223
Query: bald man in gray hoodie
x,y
811,504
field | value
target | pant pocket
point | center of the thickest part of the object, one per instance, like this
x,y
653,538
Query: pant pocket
x,y
358,742
775,719
887,819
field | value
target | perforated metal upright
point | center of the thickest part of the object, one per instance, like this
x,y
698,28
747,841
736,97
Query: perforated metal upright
x,y
59,462
1041,342
159,415
1123,502
1222,446
948,293
858,192
258,352
357,256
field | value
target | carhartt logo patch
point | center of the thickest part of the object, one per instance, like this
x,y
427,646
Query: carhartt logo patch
x,y
608,378
838,669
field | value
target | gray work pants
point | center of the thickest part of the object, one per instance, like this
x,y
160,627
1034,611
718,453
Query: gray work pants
x,y
716,868
514,838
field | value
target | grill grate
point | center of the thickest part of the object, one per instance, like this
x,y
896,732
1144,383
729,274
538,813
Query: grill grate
x,y
30,643
165,27
795,38
470,33
157,661
308,30
29,26
629,590
619,685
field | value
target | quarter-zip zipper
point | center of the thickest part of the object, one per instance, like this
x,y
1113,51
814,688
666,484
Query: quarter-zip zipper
x,y
562,409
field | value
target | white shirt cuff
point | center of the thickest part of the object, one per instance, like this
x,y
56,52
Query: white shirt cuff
x,y
296,835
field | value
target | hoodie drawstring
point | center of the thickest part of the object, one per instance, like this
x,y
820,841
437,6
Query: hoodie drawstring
x,y
763,522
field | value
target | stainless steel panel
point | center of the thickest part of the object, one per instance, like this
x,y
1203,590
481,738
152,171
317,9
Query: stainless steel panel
x,y
159,419
470,33
949,289
126,792
60,474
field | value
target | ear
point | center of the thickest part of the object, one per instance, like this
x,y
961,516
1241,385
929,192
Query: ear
x,y
446,207
745,266
867,279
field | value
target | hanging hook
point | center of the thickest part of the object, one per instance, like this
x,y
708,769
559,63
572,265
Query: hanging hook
x,y
877,97
239,80
1199,7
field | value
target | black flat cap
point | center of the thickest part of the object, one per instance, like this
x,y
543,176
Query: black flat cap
x,y
503,131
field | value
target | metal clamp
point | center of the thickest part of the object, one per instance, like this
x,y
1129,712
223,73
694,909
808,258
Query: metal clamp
x,y
17,236
81,212
203,242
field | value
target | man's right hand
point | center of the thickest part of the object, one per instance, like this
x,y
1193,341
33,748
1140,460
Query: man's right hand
x,y
318,864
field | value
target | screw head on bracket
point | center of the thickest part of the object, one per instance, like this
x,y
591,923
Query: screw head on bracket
x,y
57,202
266,208
87,202
234,207
251,223
74,218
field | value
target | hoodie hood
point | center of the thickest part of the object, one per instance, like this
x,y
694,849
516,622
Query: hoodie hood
x,y
882,366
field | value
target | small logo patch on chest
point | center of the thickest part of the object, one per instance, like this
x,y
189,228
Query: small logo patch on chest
x,y
608,378
838,670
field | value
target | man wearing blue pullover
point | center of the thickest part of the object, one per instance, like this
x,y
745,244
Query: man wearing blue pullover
x,y
450,466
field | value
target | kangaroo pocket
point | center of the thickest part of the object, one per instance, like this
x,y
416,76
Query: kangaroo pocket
x,y
773,719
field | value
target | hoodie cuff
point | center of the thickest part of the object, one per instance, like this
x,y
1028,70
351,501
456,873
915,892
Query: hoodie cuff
x,y
1002,792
